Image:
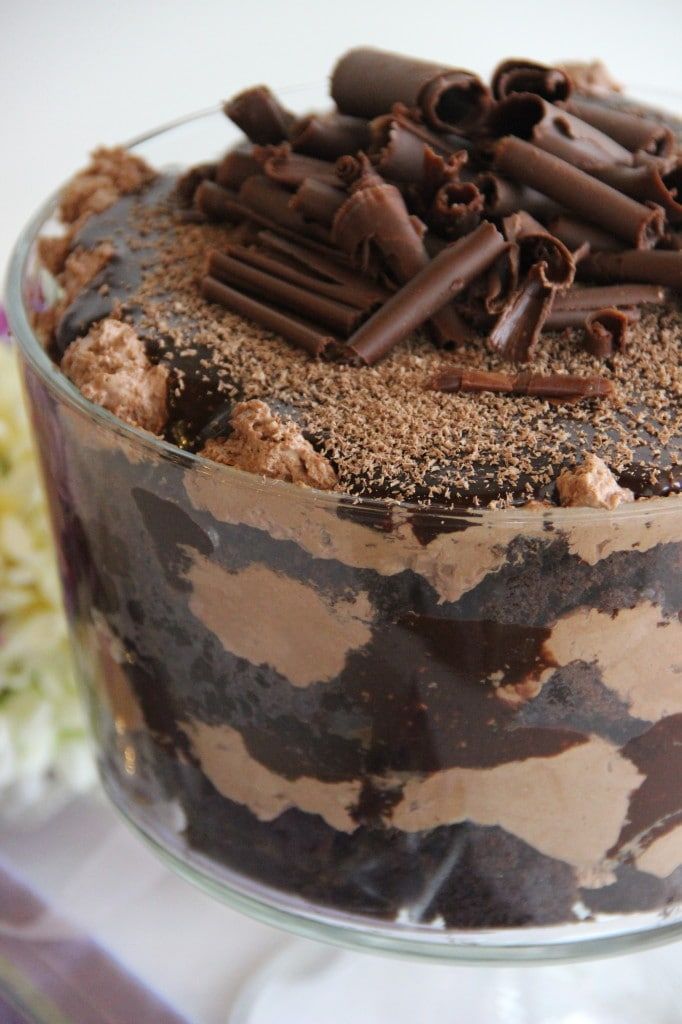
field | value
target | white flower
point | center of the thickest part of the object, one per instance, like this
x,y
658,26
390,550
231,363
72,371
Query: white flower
x,y
43,739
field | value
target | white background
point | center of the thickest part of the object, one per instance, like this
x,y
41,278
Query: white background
x,y
74,74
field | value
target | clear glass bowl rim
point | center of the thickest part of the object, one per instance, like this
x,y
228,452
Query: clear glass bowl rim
x,y
66,392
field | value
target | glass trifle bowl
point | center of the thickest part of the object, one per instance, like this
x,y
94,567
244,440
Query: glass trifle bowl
x,y
447,733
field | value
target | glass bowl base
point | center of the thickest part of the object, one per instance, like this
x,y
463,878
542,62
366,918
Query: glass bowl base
x,y
161,827
308,983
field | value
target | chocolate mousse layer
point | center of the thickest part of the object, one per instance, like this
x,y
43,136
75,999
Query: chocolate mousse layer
x,y
422,710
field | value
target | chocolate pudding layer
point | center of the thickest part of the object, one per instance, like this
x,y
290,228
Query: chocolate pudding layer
x,y
358,652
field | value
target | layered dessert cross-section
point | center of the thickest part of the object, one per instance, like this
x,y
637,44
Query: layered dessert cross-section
x,y
379,605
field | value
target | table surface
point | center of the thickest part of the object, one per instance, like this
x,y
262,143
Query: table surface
x,y
74,74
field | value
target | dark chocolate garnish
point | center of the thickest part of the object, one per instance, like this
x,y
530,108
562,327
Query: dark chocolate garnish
x,y
456,209
519,75
631,130
538,246
438,282
260,115
640,225
330,136
301,334
598,297
317,200
357,290
283,165
556,131
557,386
658,266
560,319
235,167
518,328
231,268
448,98
606,331
502,197
574,233
647,183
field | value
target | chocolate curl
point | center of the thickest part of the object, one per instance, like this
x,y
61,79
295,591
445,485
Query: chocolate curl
x,y
318,201
560,319
556,131
518,328
290,169
574,233
368,82
235,167
375,214
519,75
329,278
431,289
658,266
305,336
219,204
630,130
502,197
271,202
639,225
401,149
665,164
357,172
230,268
330,136
538,247
605,331
398,154
456,209
554,386
610,295
502,280
646,183
260,115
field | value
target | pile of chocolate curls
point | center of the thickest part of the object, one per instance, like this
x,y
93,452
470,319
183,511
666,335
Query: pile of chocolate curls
x,y
427,198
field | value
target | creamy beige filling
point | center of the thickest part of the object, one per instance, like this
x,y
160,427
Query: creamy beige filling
x,y
638,653
453,563
641,528
269,618
571,806
239,777
663,856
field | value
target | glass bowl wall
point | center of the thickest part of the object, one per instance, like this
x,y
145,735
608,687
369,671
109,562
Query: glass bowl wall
x,y
443,733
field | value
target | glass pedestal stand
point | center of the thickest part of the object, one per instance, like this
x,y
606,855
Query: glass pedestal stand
x,y
609,976
313,984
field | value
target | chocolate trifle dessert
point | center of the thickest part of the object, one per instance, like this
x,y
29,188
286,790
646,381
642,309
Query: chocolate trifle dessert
x,y
378,606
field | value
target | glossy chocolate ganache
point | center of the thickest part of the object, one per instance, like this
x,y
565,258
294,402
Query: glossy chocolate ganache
x,y
461,707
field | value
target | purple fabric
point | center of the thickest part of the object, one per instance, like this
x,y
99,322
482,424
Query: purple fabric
x,y
10,1014
54,972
